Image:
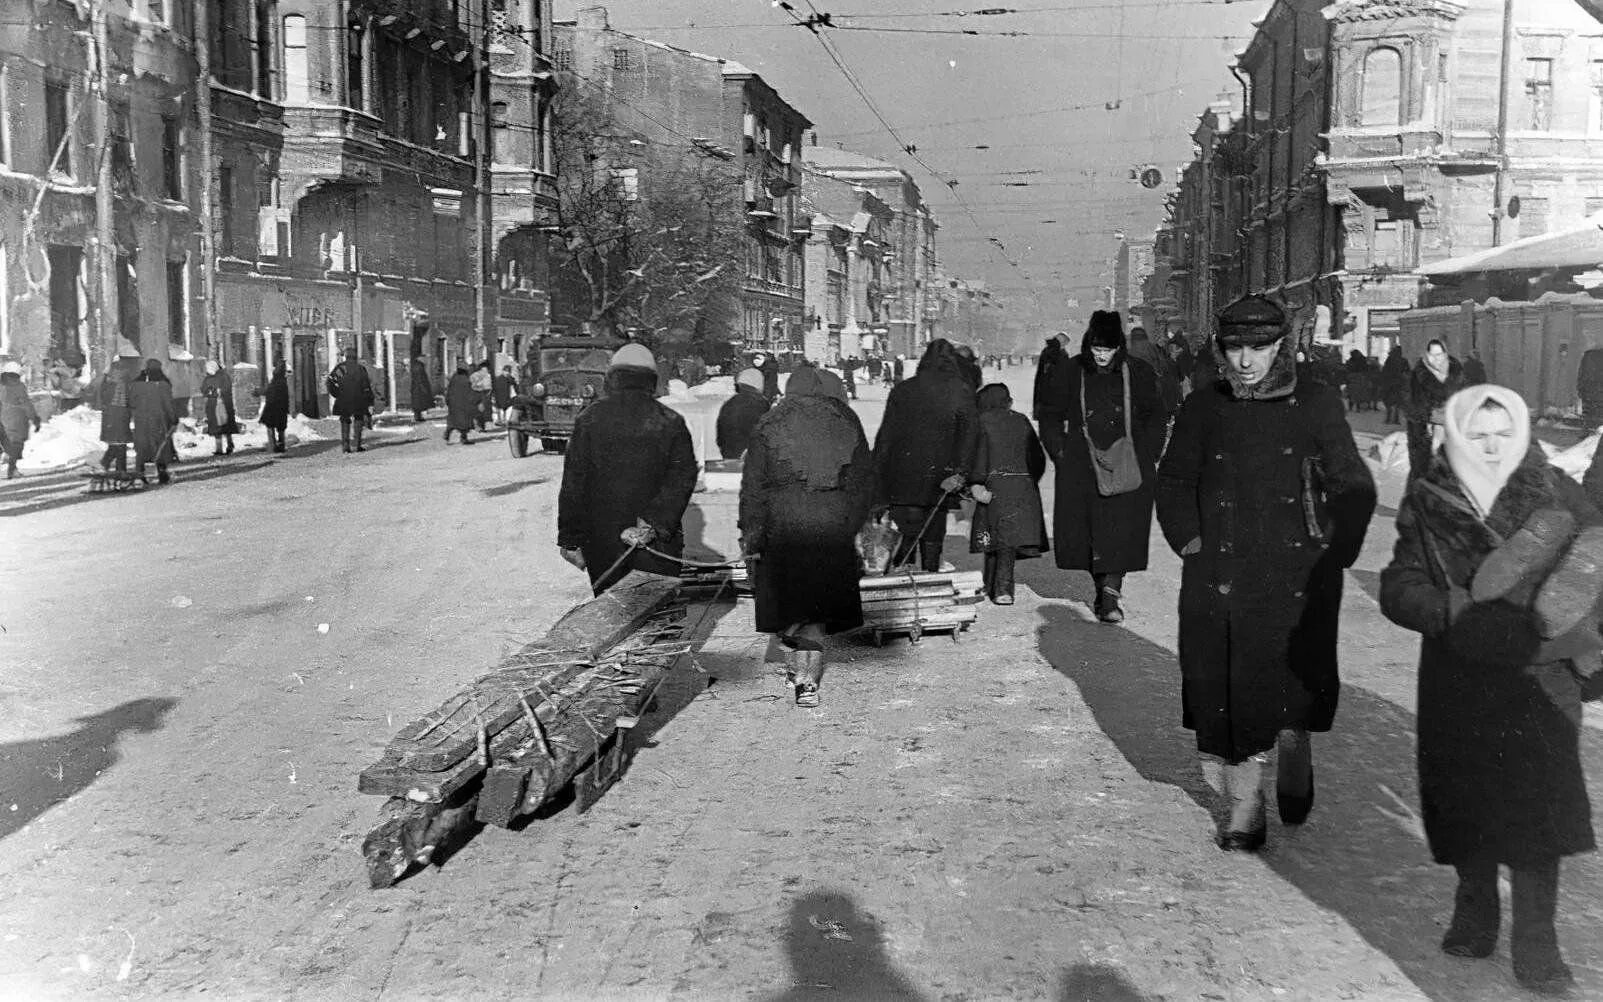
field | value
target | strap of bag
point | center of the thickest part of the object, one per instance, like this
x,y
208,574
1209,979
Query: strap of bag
x,y
1085,427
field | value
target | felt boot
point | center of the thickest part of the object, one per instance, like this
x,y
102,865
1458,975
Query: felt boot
x,y
1249,823
1529,553
1571,590
1476,914
1294,776
809,674
1538,965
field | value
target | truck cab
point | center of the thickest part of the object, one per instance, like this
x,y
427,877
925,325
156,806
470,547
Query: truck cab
x,y
560,379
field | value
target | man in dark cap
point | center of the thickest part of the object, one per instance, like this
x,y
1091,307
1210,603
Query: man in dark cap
x,y
1052,355
1264,496
352,393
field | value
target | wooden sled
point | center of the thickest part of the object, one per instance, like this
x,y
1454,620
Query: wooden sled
x,y
114,481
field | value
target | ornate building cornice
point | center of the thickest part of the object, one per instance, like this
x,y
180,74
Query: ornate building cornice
x,y
1349,11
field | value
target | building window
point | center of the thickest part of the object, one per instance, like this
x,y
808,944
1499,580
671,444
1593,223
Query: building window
x,y
225,210
297,85
123,180
621,60
266,14
1533,216
177,304
58,138
356,68
1393,244
500,133
157,10
1382,86
65,315
1539,94
127,297
172,161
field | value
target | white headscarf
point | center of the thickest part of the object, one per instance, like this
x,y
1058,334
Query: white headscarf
x,y
211,367
1481,482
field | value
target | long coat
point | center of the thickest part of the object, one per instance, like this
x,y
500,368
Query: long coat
x,y
351,389
1103,535
1425,394
218,390
275,403
930,431
461,403
155,416
808,571
1499,739
17,414
1394,380
1260,603
1010,463
422,390
116,417
738,418
630,458
1051,357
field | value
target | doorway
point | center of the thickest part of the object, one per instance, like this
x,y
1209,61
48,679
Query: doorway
x,y
305,382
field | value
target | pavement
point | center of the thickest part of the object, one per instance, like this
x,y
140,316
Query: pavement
x,y
195,674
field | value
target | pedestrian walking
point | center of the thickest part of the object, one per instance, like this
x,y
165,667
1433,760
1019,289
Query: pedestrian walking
x,y
738,416
275,406
898,370
1493,568
1052,355
155,415
971,366
461,405
352,392
1360,387
1394,384
627,478
848,375
768,365
66,389
1102,422
1009,523
218,390
482,382
805,492
17,415
503,388
1205,370
1263,495
1143,349
422,389
116,416
924,451
1436,377
876,367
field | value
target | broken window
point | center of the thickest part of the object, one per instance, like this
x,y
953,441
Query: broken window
x,y
65,315
1382,88
1539,94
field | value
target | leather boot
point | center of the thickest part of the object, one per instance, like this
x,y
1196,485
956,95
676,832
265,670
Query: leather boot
x,y
345,436
1538,965
358,433
1294,776
1476,913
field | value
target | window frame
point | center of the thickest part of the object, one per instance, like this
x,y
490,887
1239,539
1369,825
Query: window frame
x,y
172,158
59,167
297,73
1539,117
178,302
1399,79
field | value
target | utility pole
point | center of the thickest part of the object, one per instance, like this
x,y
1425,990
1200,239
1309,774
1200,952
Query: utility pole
x,y
1504,79
203,129
481,180
103,346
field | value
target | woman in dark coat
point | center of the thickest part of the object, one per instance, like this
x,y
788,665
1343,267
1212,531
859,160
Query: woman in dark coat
x,y
422,390
805,491
155,414
1475,569
1436,377
17,415
924,452
218,390
1260,592
116,418
461,405
1394,385
627,478
1052,356
1008,521
275,406
1104,535
738,416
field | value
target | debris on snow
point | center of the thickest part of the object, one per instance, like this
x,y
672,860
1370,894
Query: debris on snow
x,y
322,627
181,602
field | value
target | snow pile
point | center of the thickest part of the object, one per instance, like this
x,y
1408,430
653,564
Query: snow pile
x,y
678,393
64,440
717,386
1576,459
193,442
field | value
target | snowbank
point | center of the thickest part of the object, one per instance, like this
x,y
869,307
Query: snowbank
x,y
74,437
193,442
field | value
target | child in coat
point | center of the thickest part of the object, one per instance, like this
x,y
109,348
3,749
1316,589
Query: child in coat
x,y
1008,520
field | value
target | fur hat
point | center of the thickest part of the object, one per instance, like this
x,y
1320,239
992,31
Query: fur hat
x,y
633,356
1106,330
1251,322
750,378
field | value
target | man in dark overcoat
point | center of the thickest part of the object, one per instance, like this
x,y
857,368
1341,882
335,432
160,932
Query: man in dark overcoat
x,y
422,389
155,415
1052,356
352,393
1086,403
740,414
925,450
627,478
1264,496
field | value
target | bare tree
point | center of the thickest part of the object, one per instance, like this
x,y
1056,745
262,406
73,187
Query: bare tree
x,y
651,229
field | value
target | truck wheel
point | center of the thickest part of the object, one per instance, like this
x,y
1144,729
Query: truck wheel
x,y
518,442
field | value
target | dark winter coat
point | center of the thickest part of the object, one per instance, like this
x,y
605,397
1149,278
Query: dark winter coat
x,y
1142,349
1103,535
422,390
1260,603
770,371
1205,368
17,414
155,416
351,389
1426,393
275,403
218,390
461,403
1499,748
116,417
502,388
737,418
808,568
1394,380
929,432
1474,371
1009,464
630,457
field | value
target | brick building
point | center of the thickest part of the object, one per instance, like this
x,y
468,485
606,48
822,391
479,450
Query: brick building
x,y
848,259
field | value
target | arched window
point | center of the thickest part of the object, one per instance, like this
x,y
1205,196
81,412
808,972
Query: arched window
x,y
1382,100
297,85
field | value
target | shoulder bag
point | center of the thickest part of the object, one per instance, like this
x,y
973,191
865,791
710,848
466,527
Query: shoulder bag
x,y
1118,469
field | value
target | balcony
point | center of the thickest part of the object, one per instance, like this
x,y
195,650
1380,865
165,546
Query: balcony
x,y
328,143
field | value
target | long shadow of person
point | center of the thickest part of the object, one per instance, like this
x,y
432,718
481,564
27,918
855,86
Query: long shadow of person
x,y
1097,983
1362,853
37,775
837,951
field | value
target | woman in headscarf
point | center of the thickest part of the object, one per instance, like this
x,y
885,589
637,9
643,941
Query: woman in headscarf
x,y
1264,497
1008,520
805,491
1094,401
218,390
275,406
1436,377
1492,566
17,415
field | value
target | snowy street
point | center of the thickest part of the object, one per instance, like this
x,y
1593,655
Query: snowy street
x,y
195,674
